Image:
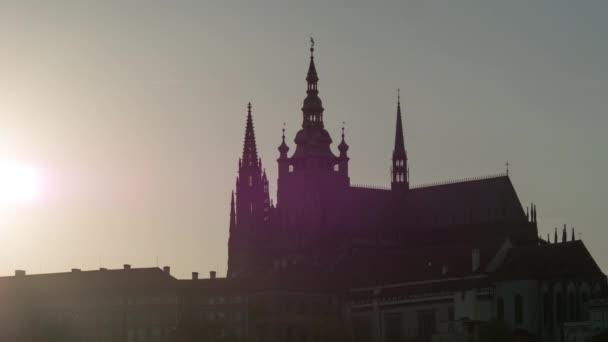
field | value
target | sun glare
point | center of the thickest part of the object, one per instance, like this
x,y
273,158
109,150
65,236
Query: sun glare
x,y
19,183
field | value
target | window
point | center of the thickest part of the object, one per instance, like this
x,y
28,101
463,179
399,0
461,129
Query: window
x,y
500,309
250,181
519,309
426,323
337,167
291,168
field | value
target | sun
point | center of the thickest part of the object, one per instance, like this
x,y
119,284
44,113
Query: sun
x,y
19,183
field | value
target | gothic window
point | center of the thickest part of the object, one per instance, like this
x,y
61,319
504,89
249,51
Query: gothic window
x,y
336,167
519,309
291,168
500,309
250,181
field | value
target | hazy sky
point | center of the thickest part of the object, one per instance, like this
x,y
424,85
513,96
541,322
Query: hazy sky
x,y
133,112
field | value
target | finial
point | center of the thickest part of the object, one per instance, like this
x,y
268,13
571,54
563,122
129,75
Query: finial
x,y
312,46
249,107
283,137
398,95
507,165
343,123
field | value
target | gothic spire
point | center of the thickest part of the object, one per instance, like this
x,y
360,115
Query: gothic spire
x,y
250,151
399,150
400,178
232,213
313,108
555,236
573,237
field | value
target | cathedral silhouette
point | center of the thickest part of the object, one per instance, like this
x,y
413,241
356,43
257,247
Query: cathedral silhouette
x,y
321,222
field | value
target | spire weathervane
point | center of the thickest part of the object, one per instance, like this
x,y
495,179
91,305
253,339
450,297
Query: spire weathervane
x,y
312,46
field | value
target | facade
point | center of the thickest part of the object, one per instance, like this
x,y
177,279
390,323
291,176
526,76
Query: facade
x,y
104,305
521,289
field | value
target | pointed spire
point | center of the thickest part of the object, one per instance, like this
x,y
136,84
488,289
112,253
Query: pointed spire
x,y
400,177
548,238
232,213
573,236
250,151
564,234
399,150
555,236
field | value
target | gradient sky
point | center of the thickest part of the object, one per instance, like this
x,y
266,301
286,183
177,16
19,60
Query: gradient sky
x,y
134,112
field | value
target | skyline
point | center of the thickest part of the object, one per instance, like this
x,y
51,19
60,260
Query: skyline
x,y
138,154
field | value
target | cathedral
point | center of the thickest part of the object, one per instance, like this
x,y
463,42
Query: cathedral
x,y
322,223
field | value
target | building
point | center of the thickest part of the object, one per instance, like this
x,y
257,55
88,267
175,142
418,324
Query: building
x,y
103,305
421,261
596,327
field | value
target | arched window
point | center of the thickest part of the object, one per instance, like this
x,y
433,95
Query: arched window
x,y
337,167
291,168
250,181
500,309
519,309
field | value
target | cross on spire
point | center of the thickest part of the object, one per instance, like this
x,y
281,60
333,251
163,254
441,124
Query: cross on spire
x,y
507,165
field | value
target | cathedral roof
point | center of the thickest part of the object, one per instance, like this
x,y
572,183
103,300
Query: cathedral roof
x,y
557,260
467,202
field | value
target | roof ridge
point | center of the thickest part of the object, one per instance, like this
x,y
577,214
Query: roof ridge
x,y
373,187
460,180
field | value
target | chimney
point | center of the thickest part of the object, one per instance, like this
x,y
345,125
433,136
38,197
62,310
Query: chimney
x,y
19,273
126,266
194,275
167,269
212,274
75,270
103,269
475,259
